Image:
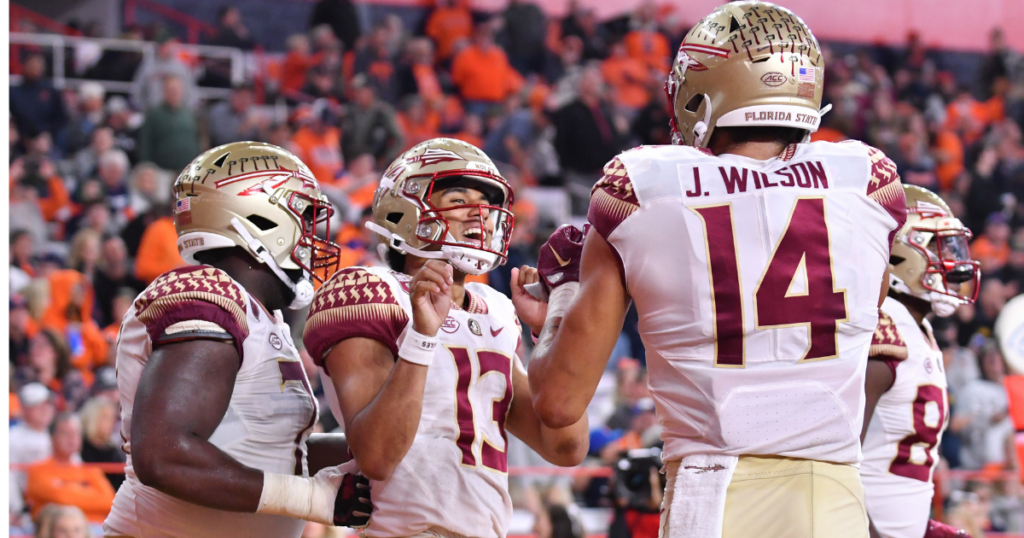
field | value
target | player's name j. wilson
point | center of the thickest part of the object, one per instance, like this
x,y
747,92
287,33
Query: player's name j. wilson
x,y
736,179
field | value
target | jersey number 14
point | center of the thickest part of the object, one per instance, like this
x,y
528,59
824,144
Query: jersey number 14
x,y
803,249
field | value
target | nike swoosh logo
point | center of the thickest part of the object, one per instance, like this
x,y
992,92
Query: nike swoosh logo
x,y
558,258
496,332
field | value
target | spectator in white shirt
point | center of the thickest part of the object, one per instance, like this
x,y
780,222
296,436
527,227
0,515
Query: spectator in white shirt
x,y
982,413
30,438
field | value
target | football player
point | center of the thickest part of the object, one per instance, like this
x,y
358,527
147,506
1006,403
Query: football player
x,y
216,407
757,262
906,409
421,365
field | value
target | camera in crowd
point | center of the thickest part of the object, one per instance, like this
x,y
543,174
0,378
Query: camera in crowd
x,y
633,481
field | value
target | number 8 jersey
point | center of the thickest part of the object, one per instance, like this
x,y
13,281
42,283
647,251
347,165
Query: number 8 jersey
x,y
901,444
756,284
455,476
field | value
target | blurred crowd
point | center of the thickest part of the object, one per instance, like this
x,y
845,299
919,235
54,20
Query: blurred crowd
x,y
551,101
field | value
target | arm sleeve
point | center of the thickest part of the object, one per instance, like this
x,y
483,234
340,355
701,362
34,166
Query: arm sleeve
x,y
354,303
194,302
885,188
886,344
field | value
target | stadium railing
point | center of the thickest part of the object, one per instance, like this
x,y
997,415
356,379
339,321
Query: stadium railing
x,y
58,44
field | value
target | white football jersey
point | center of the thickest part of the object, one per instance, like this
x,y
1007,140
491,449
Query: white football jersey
x,y
270,416
756,284
901,447
455,476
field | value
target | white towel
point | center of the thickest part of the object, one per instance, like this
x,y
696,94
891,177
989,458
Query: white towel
x,y
697,509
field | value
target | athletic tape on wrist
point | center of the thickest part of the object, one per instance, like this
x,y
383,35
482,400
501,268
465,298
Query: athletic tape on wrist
x,y
560,299
298,497
418,348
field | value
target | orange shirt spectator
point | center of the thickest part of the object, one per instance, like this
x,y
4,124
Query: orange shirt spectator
x,y
355,241
949,152
992,249
320,149
984,250
627,76
88,345
649,47
70,292
63,480
70,484
13,406
482,72
427,83
417,124
56,206
158,250
447,24
968,117
296,64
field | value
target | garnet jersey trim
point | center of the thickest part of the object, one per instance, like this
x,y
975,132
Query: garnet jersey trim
x,y
612,199
354,303
885,187
196,292
887,344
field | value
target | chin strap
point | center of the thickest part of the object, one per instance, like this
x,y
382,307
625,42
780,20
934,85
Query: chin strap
x,y
303,290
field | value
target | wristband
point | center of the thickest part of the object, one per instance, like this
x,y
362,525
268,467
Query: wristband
x,y
561,298
418,348
298,497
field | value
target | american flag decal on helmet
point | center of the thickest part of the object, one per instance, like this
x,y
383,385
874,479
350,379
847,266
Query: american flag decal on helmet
x,y
182,205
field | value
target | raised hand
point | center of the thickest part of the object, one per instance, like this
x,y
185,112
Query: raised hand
x,y
430,291
559,258
532,311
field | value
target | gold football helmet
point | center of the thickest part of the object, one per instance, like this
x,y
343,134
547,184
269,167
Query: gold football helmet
x,y
930,252
407,221
747,64
262,198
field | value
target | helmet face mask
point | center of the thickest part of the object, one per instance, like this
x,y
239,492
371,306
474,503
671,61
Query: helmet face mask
x,y
408,220
316,257
949,262
496,226
930,258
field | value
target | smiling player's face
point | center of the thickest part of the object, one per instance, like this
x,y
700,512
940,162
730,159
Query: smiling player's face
x,y
465,222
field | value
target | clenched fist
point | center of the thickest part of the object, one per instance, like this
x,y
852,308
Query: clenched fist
x,y
431,296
